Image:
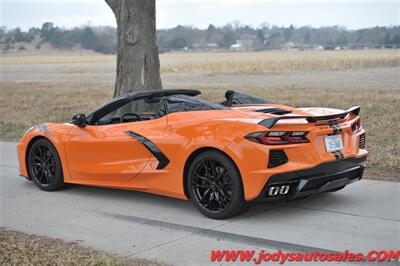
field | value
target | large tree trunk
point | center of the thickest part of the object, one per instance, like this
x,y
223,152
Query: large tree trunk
x,y
138,65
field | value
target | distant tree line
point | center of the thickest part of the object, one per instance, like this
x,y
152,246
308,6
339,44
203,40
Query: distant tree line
x,y
274,37
103,39
99,39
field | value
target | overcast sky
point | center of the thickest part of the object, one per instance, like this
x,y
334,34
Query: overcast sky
x,y
353,14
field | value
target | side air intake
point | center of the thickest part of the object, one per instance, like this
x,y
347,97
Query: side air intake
x,y
277,158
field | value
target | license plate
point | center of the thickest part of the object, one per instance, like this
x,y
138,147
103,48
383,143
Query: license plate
x,y
333,143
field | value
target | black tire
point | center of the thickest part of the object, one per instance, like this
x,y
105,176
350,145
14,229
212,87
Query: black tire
x,y
215,186
44,166
336,189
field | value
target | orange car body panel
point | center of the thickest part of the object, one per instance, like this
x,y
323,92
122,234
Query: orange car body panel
x,y
104,155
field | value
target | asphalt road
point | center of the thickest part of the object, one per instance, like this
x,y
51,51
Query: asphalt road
x,y
363,216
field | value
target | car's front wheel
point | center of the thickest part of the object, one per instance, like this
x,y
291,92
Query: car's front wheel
x,y
215,186
44,165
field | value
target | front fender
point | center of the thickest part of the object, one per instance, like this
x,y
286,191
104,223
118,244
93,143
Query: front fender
x,y
55,133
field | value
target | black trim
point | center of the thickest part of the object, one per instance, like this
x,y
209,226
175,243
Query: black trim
x,y
361,141
338,155
273,110
321,178
270,122
162,159
337,129
321,169
277,158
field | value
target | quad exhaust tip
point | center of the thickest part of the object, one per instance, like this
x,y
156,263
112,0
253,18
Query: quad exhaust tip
x,y
281,190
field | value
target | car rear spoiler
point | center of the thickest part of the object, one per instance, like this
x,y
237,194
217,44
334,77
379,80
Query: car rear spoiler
x,y
270,122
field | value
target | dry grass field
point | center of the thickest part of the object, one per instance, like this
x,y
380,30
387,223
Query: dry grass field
x,y
53,88
23,249
276,61
239,62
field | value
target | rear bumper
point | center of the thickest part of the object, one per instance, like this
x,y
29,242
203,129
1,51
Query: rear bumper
x,y
322,178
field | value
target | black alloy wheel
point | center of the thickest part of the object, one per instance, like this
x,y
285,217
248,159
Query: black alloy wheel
x,y
44,166
215,186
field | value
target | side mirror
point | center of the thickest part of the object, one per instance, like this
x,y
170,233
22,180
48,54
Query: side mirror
x,y
79,120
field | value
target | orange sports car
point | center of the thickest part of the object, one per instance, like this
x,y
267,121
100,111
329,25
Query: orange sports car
x,y
220,155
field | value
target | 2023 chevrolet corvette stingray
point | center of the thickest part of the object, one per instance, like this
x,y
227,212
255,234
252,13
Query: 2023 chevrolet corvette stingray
x,y
221,156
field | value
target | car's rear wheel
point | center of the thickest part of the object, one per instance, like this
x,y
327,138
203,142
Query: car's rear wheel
x,y
44,165
215,186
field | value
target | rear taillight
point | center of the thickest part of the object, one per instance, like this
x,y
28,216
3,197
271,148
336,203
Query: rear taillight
x,y
278,137
356,126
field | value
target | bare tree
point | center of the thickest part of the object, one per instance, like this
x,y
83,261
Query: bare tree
x,y
138,65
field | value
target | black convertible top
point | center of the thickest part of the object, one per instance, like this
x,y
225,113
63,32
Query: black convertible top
x,y
121,100
159,93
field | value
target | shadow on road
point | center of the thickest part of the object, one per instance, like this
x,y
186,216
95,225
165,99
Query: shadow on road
x,y
328,200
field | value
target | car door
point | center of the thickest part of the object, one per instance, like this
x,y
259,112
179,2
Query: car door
x,y
107,152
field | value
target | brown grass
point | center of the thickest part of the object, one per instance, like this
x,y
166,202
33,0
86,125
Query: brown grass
x,y
26,104
276,61
234,63
18,248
